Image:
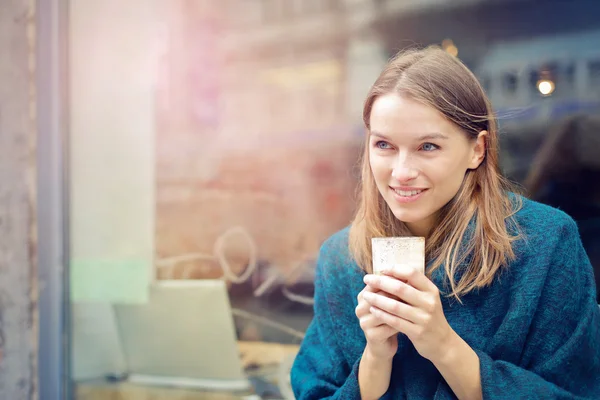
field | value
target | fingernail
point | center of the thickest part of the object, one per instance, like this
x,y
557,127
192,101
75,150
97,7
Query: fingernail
x,y
368,279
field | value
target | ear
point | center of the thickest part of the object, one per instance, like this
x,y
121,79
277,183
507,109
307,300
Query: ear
x,y
478,153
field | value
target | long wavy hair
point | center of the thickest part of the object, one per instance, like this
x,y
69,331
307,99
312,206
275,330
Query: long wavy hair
x,y
472,238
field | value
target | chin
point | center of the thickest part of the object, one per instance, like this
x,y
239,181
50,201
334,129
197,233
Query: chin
x,y
408,217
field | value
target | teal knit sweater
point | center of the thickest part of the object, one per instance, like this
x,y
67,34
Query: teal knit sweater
x,y
536,329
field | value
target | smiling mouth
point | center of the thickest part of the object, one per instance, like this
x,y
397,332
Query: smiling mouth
x,y
408,193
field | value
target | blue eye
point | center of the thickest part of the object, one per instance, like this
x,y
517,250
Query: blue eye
x,y
382,145
429,147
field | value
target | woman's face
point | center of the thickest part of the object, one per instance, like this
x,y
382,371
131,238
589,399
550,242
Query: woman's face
x,y
418,159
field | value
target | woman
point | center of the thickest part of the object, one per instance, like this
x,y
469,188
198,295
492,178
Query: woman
x,y
506,308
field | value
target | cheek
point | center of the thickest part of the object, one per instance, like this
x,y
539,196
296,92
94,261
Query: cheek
x,y
449,173
379,166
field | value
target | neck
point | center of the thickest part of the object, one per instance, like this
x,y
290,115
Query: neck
x,y
423,227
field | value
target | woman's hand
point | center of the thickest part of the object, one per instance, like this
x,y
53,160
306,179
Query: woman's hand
x,y
382,342
418,314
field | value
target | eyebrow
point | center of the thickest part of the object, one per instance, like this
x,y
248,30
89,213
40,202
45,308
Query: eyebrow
x,y
427,136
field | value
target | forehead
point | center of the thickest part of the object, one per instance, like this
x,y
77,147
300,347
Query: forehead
x,y
393,114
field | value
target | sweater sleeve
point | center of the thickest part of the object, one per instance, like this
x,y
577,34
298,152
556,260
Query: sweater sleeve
x,y
321,370
562,357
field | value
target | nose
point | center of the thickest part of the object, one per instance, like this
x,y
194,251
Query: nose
x,y
403,170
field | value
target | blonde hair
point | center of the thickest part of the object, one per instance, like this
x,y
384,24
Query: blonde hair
x,y
471,238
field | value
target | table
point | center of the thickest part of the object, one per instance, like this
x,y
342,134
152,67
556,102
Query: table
x,y
130,391
256,354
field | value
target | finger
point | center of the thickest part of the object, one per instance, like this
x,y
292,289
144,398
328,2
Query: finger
x,y
399,324
365,289
396,288
362,309
396,308
412,276
380,333
370,321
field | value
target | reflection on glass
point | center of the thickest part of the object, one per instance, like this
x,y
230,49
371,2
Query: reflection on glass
x,y
218,142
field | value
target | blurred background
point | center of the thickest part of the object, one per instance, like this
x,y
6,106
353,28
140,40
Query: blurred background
x,y
258,120
219,141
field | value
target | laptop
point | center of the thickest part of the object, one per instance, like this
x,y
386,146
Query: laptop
x,y
184,336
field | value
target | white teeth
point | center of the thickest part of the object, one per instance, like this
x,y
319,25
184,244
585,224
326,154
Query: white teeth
x,y
407,193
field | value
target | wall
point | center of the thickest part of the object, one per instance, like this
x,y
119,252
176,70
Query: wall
x,y
18,274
